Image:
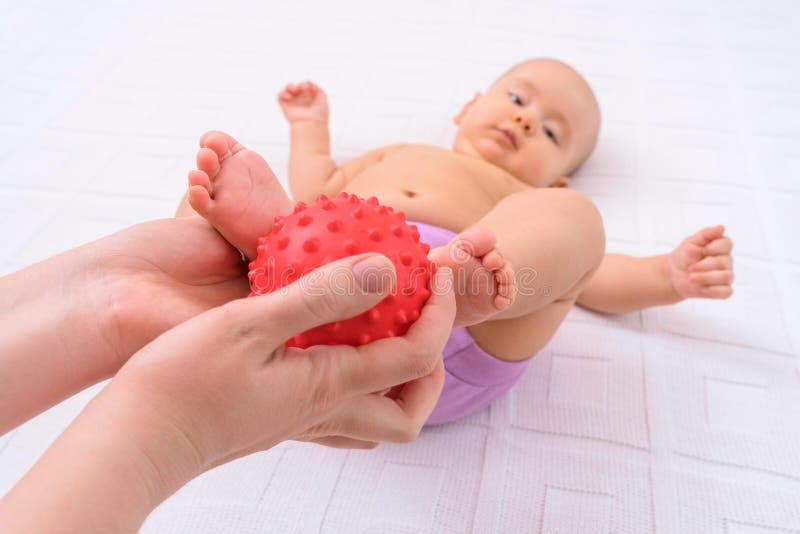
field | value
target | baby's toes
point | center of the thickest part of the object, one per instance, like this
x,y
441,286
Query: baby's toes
x,y
475,241
506,274
208,162
217,142
198,177
439,255
501,302
493,260
200,200
506,282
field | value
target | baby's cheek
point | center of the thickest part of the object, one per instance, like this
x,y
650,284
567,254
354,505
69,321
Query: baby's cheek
x,y
489,150
535,172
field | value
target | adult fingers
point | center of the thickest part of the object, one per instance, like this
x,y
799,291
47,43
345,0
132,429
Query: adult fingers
x,y
339,442
436,320
373,417
333,292
391,361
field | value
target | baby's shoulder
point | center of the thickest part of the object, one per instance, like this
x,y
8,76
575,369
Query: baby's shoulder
x,y
417,148
396,147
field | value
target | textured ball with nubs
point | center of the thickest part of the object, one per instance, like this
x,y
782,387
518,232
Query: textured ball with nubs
x,y
334,228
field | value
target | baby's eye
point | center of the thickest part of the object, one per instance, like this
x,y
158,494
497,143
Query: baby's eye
x,y
515,98
549,133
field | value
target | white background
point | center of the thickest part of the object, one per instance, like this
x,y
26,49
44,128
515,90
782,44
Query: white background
x,y
682,419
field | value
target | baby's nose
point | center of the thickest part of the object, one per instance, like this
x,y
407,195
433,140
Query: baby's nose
x,y
525,120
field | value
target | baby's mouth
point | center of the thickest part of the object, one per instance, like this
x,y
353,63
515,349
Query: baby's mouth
x,y
510,137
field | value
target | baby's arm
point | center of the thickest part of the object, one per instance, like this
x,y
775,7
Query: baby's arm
x,y
701,266
311,169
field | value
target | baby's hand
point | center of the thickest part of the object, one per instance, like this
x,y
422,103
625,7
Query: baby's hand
x,y
304,101
702,266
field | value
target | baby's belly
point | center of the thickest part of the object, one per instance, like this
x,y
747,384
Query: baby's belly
x,y
453,208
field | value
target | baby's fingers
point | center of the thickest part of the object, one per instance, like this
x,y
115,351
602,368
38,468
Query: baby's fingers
x,y
716,292
718,247
290,91
308,87
701,237
712,278
713,263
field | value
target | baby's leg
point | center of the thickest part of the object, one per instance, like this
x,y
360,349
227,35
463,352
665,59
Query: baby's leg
x,y
184,208
235,190
555,240
484,280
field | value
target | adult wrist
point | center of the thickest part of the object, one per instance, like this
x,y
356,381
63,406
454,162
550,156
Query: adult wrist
x,y
119,463
53,337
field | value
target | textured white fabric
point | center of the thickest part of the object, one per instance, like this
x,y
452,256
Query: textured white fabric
x,y
681,419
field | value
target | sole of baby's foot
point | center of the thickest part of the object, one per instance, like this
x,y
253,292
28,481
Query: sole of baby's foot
x,y
235,190
484,281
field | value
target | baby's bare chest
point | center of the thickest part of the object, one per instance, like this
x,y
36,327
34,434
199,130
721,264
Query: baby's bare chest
x,y
435,186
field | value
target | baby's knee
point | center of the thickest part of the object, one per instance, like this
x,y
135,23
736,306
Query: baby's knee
x,y
582,214
595,231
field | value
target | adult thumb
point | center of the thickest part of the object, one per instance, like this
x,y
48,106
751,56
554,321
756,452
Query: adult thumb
x,y
333,292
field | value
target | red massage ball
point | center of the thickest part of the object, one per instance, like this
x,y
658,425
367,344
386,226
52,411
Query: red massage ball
x,y
334,228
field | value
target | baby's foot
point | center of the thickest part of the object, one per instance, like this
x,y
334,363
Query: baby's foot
x,y
484,280
235,190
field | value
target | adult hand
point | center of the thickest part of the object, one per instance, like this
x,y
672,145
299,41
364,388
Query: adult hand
x,y
222,385
164,272
226,382
73,320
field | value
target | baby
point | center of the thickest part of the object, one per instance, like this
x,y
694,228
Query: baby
x,y
496,203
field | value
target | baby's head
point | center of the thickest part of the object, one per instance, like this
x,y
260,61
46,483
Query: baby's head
x,y
539,121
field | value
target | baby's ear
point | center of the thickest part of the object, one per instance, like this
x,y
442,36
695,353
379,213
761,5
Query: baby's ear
x,y
458,118
561,182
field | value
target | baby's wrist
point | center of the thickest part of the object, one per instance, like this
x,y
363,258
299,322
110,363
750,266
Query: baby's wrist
x,y
671,294
302,123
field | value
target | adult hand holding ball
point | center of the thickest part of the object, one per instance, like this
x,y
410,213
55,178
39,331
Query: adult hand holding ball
x,y
333,228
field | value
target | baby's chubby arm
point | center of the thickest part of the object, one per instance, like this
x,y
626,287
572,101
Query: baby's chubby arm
x,y
701,266
311,169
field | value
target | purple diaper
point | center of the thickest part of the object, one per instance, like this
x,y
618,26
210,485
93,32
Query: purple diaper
x,y
473,378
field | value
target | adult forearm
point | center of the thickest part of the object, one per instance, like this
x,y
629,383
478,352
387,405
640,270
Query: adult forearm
x,y
52,328
111,467
310,162
625,283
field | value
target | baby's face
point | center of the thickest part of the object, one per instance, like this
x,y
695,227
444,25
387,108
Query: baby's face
x,y
538,122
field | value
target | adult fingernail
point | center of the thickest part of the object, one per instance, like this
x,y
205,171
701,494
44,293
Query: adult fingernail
x,y
374,273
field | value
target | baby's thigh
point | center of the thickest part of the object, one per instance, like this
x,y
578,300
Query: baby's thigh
x,y
521,337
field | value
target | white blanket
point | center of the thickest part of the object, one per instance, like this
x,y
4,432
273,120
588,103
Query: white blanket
x,y
679,419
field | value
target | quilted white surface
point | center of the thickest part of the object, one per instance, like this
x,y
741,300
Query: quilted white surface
x,y
681,419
